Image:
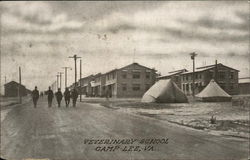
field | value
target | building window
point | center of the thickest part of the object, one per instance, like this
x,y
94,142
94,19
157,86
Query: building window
x,y
222,75
183,78
196,76
176,79
124,74
147,86
231,86
231,75
187,87
136,75
211,75
124,87
136,87
147,75
187,77
183,87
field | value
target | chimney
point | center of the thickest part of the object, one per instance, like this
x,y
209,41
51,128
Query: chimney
x,y
216,71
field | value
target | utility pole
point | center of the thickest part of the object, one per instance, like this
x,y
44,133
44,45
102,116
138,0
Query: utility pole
x,y
60,75
193,55
75,58
66,69
80,80
5,80
57,79
19,87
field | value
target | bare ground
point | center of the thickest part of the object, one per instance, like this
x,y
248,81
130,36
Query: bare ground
x,y
230,118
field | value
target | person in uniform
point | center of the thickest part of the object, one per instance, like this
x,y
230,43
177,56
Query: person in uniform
x,y
67,96
35,96
50,96
74,96
59,97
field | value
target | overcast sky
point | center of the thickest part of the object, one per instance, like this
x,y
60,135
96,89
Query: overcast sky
x,y
39,36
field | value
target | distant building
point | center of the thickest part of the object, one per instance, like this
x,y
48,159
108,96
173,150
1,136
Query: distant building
x,y
130,81
85,84
11,89
244,85
225,76
98,85
174,75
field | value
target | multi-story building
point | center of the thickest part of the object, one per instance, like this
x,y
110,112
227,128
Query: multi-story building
x,y
225,76
175,76
130,81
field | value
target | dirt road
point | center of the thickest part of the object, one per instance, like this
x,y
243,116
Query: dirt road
x,y
60,133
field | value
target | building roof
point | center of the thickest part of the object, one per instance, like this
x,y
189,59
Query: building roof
x,y
244,80
13,83
129,65
173,73
178,71
90,76
204,68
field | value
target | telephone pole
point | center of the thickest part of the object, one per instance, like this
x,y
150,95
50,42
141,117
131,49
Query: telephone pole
x,y
60,75
75,58
193,55
66,70
19,88
57,79
80,80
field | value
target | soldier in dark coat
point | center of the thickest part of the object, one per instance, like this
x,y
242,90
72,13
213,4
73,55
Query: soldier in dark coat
x,y
50,96
35,96
74,96
67,96
59,97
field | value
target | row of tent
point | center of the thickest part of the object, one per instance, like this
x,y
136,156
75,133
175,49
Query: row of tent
x,y
166,91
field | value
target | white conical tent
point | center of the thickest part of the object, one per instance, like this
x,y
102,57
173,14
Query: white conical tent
x,y
164,91
213,93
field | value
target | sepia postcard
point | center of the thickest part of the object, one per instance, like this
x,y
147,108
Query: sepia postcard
x,y
125,80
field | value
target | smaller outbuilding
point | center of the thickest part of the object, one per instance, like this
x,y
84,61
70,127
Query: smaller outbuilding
x,y
164,91
213,93
11,89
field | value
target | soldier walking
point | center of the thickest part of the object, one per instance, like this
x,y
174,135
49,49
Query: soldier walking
x,y
35,96
67,96
59,97
74,96
50,96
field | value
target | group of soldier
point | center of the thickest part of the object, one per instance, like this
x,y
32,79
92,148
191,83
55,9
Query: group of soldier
x,y
67,96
